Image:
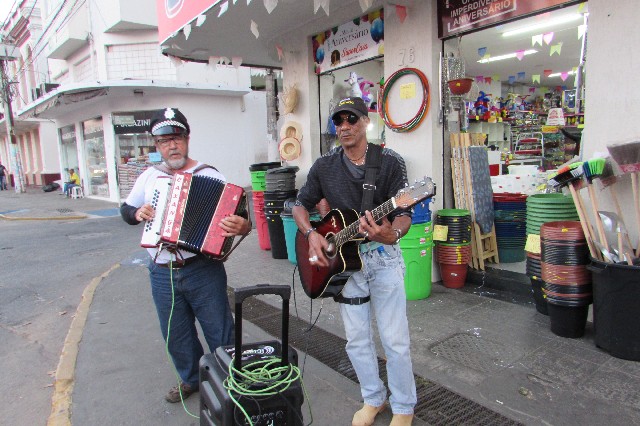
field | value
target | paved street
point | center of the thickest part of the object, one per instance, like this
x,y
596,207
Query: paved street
x,y
478,351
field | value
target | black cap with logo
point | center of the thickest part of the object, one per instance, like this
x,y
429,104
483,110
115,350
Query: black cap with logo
x,y
169,121
353,104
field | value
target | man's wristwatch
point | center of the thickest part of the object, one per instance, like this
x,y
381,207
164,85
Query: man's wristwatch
x,y
398,235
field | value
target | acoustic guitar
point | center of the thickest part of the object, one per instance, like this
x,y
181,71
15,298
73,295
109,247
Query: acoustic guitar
x,y
340,228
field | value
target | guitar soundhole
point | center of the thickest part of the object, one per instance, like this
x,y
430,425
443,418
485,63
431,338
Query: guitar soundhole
x,y
331,251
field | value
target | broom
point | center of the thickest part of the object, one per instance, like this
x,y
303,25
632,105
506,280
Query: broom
x,y
627,155
593,169
567,176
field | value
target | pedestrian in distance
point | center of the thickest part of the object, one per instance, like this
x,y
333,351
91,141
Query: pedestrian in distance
x,y
185,286
3,177
339,176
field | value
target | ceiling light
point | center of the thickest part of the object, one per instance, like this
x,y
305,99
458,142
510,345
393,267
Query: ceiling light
x,y
543,24
557,74
507,56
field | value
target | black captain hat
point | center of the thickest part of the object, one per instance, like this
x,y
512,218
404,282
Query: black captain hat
x,y
169,121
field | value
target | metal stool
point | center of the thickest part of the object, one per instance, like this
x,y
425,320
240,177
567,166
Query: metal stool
x,y
77,192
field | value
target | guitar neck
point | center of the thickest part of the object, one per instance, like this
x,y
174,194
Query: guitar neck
x,y
351,231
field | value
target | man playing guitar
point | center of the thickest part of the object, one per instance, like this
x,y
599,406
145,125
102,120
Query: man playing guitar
x,y
378,288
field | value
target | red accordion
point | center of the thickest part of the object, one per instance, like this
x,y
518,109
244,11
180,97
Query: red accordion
x,y
189,209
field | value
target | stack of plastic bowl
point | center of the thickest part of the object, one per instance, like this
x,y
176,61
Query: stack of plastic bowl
x,y
290,227
510,213
280,186
417,246
258,185
567,281
534,272
543,208
454,254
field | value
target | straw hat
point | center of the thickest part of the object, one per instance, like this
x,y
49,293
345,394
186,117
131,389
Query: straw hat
x,y
289,148
291,129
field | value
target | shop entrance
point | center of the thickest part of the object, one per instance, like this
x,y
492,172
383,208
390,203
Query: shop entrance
x,y
521,86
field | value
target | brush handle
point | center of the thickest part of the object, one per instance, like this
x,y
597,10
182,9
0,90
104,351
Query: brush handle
x,y
616,203
636,204
583,222
594,206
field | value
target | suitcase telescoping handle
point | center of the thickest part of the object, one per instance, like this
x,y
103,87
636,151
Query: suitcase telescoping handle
x,y
240,295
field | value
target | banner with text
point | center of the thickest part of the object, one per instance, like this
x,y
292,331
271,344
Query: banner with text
x,y
355,41
459,16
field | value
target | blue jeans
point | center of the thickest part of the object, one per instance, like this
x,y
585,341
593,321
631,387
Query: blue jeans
x,y
200,292
381,277
3,182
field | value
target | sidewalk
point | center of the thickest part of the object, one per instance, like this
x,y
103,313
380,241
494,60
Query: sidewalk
x,y
468,351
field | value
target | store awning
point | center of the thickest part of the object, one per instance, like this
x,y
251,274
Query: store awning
x,y
72,97
232,34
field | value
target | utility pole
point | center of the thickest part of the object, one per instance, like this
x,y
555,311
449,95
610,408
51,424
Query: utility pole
x,y
6,55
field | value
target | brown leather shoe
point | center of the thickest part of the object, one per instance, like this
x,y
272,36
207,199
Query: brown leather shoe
x,y
401,420
366,415
174,393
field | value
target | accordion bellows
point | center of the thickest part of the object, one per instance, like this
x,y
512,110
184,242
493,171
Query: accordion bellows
x,y
189,209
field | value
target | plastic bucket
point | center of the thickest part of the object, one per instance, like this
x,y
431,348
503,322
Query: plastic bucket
x,y
417,278
258,180
538,296
616,308
567,321
276,237
453,276
290,229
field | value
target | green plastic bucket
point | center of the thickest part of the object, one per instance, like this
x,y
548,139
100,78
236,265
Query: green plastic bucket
x,y
258,180
417,277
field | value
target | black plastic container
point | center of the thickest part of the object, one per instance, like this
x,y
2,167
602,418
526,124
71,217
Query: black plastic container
x,y
538,296
567,321
277,236
616,308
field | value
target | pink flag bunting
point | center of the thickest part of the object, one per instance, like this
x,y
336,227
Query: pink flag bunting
x,y
532,89
401,11
519,54
479,79
564,75
548,38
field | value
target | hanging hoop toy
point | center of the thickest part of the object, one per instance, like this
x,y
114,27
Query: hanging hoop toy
x,y
424,106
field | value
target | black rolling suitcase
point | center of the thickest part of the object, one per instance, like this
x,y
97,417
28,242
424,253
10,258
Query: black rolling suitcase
x,y
216,404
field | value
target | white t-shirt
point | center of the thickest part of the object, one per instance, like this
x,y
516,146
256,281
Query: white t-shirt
x,y
142,193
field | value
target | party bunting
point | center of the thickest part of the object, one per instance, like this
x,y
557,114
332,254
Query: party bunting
x,y
564,87
581,7
213,60
186,30
512,79
200,20
521,75
544,90
270,5
564,75
254,29
401,11
325,6
519,54
479,79
547,73
365,4
532,89
574,69
279,49
536,39
236,61
496,77
487,80
486,56
535,78
548,38
558,88
582,29
223,8
482,51
556,48
248,2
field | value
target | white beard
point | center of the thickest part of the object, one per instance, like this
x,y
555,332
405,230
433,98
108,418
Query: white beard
x,y
177,164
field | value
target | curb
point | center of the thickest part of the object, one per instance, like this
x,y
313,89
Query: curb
x,y
44,218
65,373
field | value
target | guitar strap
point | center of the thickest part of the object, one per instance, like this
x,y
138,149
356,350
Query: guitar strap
x,y
372,165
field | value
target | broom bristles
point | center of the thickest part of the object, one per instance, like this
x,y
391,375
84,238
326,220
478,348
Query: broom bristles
x,y
610,172
627,155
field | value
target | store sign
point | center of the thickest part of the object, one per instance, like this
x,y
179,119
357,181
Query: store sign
x,y
350,43
92,128
132,122
175,14
459,16
68,134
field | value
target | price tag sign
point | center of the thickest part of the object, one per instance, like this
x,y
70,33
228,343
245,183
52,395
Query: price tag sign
x,y
533,244
440,232
408,91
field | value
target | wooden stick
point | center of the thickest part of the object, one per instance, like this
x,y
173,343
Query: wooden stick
x,y
616,203
583,222
594,206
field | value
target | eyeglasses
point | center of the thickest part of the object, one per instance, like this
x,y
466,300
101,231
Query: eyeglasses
x,y
351,119
165,142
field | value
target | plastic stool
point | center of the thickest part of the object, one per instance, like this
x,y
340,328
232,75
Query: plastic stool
x,y
77,192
